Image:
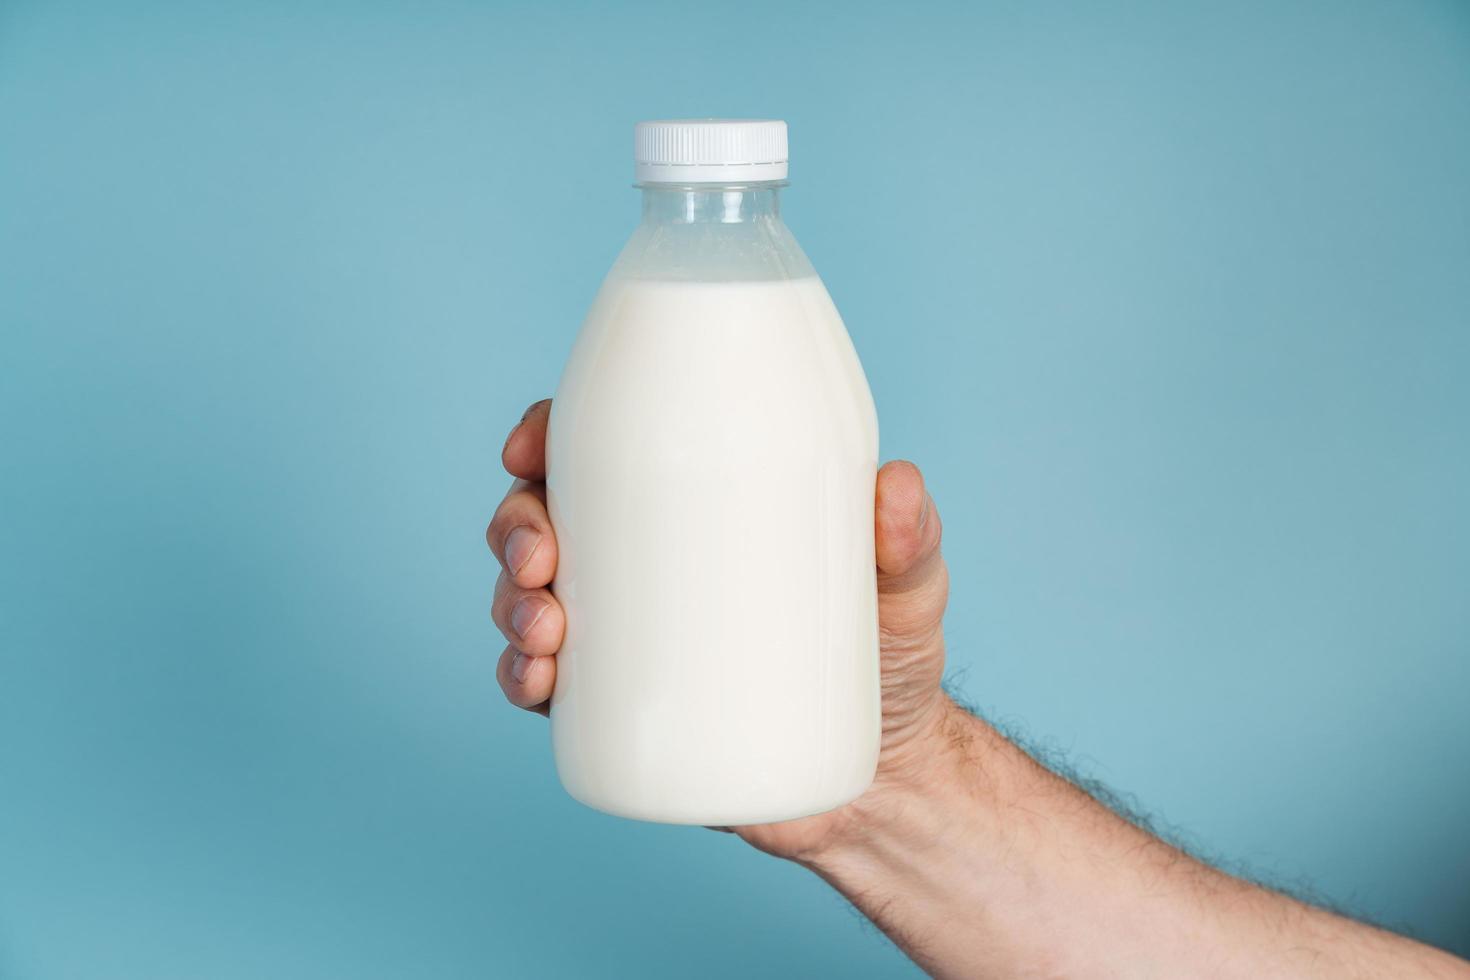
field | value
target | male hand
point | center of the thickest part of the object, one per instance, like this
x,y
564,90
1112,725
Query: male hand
x,y
975,860
913,586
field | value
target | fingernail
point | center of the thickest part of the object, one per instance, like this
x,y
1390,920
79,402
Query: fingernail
x,y
526,613
520,666
924,513
520,544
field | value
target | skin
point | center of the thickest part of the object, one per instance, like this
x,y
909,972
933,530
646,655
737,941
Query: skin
x,y
975,860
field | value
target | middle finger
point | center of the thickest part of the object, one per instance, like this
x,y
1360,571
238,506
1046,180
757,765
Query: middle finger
x,y
531,619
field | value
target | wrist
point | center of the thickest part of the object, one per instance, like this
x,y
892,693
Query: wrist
x,y
927,845
943,781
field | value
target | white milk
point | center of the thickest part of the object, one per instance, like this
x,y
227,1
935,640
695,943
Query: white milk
x,y
712,455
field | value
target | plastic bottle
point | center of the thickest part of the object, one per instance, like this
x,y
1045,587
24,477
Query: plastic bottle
x,y
711,462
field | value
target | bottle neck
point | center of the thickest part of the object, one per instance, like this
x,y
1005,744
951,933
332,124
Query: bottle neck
x,y
711,204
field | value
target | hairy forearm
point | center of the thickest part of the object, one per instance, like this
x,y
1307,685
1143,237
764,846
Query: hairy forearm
x,y
978,862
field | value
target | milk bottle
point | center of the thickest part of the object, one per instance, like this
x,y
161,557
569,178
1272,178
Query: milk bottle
x,y
711,461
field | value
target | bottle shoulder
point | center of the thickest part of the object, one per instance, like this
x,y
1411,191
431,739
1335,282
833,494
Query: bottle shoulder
x,y
717,367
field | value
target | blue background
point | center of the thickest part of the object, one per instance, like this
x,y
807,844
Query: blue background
x,y
1171,302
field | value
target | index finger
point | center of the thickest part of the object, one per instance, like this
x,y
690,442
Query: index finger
x,y
524,454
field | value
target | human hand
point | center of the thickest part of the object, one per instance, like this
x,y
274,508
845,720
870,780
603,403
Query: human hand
x,y
974,859
913,586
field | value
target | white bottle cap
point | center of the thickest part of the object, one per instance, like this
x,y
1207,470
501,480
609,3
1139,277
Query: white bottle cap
x,y
709,151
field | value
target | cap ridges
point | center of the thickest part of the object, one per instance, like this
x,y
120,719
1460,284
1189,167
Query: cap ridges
x,y
709,150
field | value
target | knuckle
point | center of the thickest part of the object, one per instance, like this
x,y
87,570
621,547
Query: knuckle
x,y
912,615
505,594
495,533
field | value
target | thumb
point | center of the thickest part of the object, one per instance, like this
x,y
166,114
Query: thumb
x,y
913,583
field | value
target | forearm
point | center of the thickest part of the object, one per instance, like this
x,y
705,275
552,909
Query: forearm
x,y
981,863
